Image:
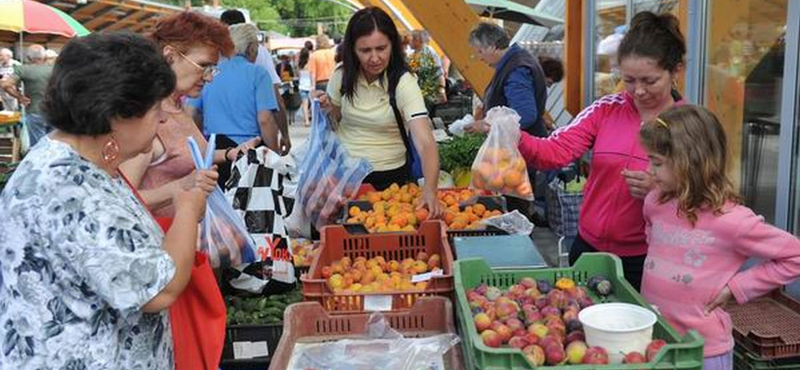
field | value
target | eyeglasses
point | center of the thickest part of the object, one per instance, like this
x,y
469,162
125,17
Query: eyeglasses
x,y
211,70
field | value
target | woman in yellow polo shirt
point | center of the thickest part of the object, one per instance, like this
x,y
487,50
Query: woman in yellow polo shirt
x,y
357,101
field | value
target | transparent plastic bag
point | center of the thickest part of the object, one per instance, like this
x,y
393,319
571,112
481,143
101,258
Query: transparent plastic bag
x,y
223,235
329,175
499,166
381,346
513,223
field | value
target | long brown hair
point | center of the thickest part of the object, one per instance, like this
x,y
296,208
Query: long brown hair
x,y
696,148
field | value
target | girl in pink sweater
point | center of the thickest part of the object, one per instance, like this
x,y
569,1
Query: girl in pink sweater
x,y
699,234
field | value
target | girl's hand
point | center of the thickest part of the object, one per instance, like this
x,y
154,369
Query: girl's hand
x,y
639,183
431,202
720,301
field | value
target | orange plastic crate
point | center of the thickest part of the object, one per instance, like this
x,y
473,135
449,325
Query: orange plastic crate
x,y
308,322
338,243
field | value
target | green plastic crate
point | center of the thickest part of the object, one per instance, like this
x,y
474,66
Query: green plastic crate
x,y
743,359
682,352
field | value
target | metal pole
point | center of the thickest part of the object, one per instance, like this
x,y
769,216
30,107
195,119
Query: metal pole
x,y
786,196
589,11
696,51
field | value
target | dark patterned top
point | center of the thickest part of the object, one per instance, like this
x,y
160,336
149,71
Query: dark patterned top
x,y
79,258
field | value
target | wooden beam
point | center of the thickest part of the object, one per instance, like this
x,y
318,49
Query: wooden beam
x,y
138,6
573,57
145,25
132,17
449,22
88,10
101,17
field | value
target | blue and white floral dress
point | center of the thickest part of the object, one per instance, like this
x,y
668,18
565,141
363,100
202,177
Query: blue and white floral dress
x,y
79,257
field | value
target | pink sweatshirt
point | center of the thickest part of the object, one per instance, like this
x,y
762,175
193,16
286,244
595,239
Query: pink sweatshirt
x,y
610,218
687,267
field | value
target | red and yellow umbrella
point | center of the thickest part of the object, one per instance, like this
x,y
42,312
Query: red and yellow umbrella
x,y
34,17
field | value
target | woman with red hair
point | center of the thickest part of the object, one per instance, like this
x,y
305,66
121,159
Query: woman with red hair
x,y
192,44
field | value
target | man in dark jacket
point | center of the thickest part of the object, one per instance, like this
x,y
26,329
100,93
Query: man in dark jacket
x,y
518,82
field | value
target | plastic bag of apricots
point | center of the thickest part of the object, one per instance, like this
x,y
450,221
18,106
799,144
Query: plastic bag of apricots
x,y
499,166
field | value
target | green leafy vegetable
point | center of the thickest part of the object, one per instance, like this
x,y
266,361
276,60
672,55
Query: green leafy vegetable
x,y
460,152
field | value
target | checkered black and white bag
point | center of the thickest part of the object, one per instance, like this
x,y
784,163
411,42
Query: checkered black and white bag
x,y
257,192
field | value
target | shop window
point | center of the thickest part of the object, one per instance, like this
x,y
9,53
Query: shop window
x,y
743,86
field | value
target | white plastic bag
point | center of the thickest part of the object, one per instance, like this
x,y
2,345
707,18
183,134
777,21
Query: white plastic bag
x,y
457,128
382,348
513,223
499,166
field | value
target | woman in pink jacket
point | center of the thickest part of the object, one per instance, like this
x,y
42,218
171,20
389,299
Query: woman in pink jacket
x,y
650,57
700,234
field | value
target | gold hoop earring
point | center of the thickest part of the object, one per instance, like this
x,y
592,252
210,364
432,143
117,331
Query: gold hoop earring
x,y
110,150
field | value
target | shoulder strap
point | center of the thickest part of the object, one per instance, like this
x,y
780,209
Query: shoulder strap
x,y
400,123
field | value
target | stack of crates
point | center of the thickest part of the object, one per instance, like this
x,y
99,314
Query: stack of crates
x,y
767,333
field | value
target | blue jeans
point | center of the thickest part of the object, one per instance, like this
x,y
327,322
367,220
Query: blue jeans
x,y
37,126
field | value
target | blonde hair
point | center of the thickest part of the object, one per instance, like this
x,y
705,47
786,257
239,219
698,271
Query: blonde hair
x,y
695,145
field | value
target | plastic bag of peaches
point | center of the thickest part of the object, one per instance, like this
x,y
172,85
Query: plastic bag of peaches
x,y
499,166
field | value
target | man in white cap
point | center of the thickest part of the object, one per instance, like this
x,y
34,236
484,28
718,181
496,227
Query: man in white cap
x,y
34,75
239,103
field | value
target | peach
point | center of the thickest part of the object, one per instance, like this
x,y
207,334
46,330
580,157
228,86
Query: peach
x,y
596,356
534,354
491,338
539,329
575,352
482,322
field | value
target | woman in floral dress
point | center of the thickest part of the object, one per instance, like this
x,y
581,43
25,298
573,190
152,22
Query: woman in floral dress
x,y
87,273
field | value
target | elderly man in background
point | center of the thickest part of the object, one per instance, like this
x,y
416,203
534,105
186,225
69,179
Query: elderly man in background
x,y
34,77
519,83
7,64
240,101
264,60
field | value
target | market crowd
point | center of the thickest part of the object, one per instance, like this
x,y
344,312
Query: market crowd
x,y
100,220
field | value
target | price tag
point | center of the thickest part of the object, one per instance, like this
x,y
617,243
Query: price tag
x,y
377,302
426,276
245,350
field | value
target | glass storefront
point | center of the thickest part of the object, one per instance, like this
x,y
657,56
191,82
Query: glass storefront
x,y
743,87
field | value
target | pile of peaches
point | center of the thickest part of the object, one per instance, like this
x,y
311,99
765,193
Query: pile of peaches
x,y
395,209
376,275
542,321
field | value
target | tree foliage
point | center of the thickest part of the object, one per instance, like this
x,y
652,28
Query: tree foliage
x,y
292,17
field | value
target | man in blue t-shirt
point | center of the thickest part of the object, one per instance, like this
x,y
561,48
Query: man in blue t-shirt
x,y
240,101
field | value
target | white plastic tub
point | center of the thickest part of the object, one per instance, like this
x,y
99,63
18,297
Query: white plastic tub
x,y
620,328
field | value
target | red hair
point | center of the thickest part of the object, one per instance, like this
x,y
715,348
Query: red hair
x,y
185,29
